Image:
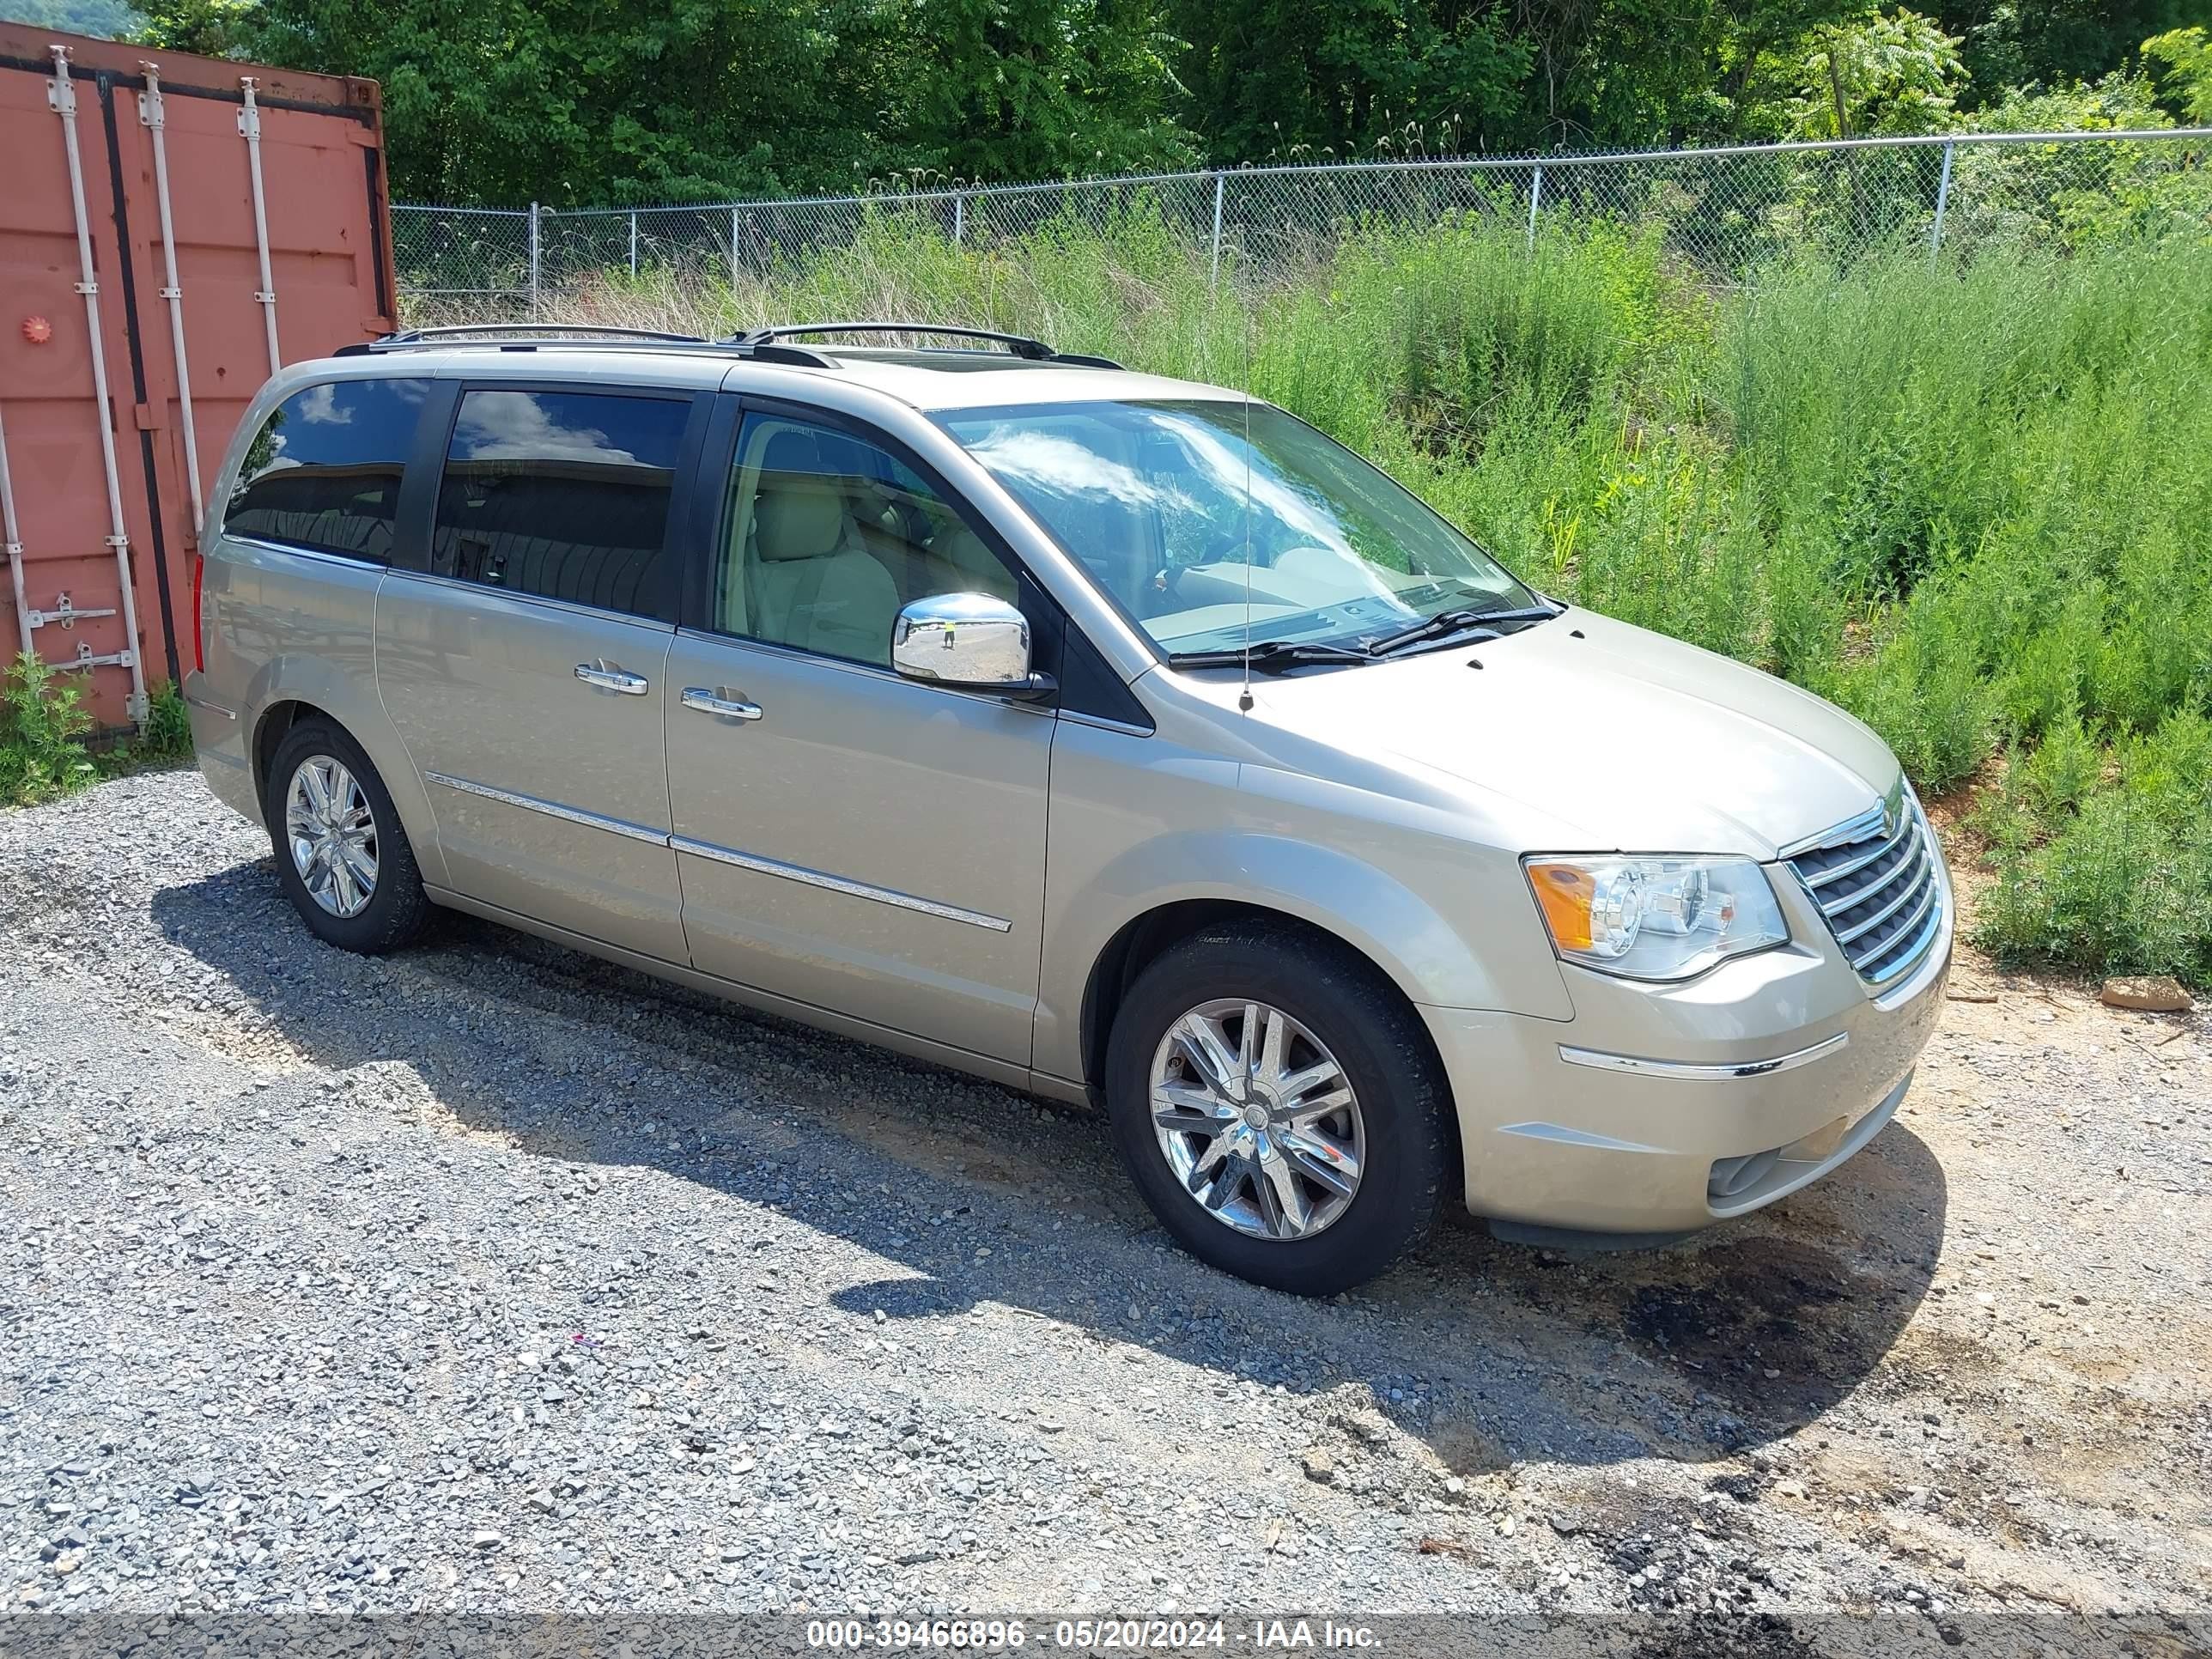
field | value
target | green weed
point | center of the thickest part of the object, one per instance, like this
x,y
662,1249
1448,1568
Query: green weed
x,y
164,740
2113,875
41,720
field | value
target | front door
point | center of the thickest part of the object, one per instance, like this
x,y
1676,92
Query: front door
x,y
845,837
525,666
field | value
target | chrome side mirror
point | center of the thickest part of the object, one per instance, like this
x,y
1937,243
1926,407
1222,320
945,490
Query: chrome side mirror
x,y
969,639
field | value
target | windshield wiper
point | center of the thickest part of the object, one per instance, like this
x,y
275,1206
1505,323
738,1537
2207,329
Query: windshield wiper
x,y
1445,623
1272,656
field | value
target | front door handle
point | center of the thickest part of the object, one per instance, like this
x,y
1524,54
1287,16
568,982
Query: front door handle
x,y
714,702
608,678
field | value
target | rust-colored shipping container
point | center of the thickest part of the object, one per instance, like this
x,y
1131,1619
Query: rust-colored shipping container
x,y
171,227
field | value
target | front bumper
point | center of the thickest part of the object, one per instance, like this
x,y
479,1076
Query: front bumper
x,y
1659,1109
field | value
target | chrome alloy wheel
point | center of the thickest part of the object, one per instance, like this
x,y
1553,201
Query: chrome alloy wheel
x,y
332,836
1257,1120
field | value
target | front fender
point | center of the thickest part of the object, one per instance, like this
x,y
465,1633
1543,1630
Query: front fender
x,y
1449,921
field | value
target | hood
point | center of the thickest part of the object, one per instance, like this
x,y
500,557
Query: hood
x,y
1624,739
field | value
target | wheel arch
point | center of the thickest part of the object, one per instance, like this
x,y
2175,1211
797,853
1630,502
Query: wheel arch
x,y
290,689
268,731
1145,937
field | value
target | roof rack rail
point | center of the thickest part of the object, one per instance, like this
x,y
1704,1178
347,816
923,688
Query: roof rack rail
x,y
588,330
523,333
528,337
1030,350
766,345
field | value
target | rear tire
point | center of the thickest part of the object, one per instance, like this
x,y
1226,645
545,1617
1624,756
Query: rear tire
x,y
342,857
1336,1085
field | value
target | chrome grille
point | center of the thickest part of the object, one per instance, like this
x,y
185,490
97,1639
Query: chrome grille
x,y
1878,889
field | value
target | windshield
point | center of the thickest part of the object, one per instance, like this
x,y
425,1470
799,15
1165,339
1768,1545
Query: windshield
x,y
1150,499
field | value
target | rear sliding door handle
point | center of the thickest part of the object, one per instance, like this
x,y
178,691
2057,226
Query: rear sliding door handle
x,y
608,677
713,702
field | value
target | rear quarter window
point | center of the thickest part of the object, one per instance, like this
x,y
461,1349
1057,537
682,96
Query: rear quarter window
x,y
324,472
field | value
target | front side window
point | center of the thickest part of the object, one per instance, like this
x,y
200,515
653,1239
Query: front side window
x,y
1190,526
561,495
829,536
324,472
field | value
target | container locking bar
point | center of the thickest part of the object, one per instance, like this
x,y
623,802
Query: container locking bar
x,y
154,114
249,127
61,98
12,537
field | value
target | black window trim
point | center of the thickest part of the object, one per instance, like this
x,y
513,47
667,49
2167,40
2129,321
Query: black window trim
x,y
426,473
1049,622
306,550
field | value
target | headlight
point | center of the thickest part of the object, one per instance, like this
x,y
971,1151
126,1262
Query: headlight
x,y
1655,918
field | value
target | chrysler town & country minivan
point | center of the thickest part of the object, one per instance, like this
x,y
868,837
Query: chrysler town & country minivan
x,y
1113,737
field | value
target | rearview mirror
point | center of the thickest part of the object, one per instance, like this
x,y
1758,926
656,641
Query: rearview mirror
x,y
967,639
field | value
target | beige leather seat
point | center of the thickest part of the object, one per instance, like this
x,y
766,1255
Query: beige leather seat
x,y
809,585
924,560
970,567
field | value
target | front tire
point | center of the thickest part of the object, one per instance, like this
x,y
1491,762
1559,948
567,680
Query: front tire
x,y
342,857
1280,1108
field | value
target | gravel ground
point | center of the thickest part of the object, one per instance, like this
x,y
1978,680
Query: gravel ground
x,y
490,1278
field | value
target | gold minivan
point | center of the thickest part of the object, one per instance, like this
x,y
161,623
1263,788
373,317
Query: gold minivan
x,y
1112,738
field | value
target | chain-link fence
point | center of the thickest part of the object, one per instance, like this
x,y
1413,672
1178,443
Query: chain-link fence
x,y
1723,213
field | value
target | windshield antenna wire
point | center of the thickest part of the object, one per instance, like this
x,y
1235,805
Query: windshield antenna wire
x,y
1244,697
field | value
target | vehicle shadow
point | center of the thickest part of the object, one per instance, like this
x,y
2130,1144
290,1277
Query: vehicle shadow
x,y
1490,1352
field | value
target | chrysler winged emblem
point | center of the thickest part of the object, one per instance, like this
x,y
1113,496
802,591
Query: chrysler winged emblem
x,y
1893,809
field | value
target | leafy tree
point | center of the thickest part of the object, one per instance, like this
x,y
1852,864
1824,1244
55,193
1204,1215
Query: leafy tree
x,y
1894,73
111,20
1034,89
2051,44
2121,99
2186,59
603,102
570,102
575,102
1656,72
1313,80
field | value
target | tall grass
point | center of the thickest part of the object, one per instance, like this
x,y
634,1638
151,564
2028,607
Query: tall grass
x,y
1971,505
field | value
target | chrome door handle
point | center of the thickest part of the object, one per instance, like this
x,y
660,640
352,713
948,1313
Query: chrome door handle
x,y
710,702
608,677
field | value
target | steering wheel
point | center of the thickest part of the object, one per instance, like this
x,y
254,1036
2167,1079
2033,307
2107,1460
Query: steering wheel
x,y
1224,547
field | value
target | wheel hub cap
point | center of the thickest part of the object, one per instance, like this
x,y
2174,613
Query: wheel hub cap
x,y
1257,1120
332,833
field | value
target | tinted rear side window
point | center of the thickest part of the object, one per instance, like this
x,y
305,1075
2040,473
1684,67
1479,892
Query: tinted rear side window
x,y
324,470
561,495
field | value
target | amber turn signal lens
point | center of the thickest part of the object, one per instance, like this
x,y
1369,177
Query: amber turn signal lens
x,y
1565,893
